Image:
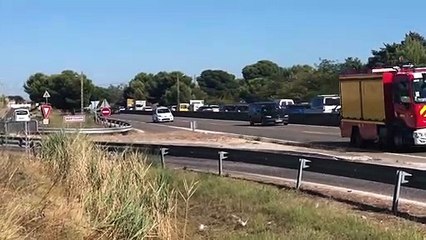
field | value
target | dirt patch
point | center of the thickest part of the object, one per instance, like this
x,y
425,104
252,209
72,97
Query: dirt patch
x,y
173,137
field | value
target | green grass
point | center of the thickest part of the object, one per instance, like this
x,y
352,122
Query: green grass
x,y
280,214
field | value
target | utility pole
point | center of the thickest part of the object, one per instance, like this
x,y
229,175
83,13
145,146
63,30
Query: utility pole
x,y
178,92
82,94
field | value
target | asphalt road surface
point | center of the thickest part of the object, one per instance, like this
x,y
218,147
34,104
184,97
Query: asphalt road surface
x,y
291,132
354,184
323,135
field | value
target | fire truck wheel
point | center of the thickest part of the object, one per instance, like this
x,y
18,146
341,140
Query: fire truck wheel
x,y
398,141
356,139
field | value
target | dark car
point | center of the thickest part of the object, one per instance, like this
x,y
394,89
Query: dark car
x,y
267,113
296,108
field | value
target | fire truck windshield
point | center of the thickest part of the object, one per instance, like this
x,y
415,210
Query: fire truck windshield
x,y
419,86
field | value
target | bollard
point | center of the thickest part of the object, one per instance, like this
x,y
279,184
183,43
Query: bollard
x,y
303,164
193,125
26,138
164,152
222,156
400,179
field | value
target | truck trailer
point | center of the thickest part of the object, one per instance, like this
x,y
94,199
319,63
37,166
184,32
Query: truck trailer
x,y
386,106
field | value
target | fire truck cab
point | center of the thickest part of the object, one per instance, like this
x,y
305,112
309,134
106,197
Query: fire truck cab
x,y
386,106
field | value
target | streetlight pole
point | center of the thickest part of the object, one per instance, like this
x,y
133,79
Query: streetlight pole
x,y
178,92
81,93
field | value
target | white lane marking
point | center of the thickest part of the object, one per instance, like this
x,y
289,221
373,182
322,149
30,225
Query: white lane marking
x,y
319,133
139,130
313,126
405,155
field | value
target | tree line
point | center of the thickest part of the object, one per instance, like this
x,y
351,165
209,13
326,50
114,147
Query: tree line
x,y
262,80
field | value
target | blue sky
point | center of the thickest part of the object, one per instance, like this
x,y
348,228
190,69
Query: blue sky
x,y
111,41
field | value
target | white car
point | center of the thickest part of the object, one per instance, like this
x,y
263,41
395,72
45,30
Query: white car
x,y
162,114
22,115
147,109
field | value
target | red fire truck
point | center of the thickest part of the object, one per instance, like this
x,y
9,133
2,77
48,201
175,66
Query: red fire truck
x,y
386,106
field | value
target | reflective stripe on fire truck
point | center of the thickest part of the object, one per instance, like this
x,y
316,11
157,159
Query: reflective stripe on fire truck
x,y
423,111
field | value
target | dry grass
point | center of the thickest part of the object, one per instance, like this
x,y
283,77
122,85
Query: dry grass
x,y
74,190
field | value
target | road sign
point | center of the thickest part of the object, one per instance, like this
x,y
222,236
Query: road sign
x,y
105,104
94,105
106,112
46,110
74,118
46,95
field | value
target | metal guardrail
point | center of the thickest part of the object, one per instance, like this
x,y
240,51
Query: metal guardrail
x,y
290,160
317,163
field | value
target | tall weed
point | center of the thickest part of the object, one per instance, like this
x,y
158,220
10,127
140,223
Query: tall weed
x,y
122,201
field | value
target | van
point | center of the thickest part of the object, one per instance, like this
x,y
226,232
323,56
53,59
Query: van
x,y
266,113
283,103
22,115
325,104
183,107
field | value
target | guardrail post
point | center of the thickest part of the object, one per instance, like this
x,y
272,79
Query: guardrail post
x,y
302,165
222,156
193,125
400,179
26,137
164,152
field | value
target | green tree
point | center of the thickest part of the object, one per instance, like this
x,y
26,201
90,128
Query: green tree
x,y
219,85
262,79
412,49
36,85
113,94
170,96
139,86
64,89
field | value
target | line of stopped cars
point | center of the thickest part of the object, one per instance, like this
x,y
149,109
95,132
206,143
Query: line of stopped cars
x,y
264,113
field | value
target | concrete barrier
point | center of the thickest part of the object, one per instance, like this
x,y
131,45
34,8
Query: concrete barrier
x,y
320,119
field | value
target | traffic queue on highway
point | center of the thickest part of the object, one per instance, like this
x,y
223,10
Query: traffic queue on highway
x,y
319,104
263,112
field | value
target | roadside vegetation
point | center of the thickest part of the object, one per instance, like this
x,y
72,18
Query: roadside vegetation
x,y
74,190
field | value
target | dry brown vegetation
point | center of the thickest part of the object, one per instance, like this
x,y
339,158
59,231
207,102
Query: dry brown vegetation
x,y
73,190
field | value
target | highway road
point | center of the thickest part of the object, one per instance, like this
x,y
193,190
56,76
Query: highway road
x,y
291,132
323,135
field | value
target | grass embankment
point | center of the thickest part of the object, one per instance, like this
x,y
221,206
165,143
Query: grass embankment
x,y
73,190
